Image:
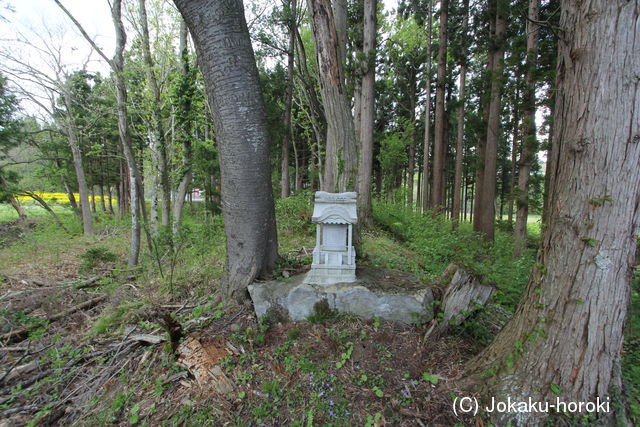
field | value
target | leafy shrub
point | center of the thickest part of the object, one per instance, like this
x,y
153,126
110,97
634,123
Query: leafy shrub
x,y
437,246
94,257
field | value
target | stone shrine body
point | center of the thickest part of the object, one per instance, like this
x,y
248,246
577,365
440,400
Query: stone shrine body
x,y
334,257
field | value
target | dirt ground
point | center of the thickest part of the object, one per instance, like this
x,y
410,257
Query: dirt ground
x,y
106,348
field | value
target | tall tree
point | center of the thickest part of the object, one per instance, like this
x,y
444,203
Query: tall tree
x,y
567,333
426,202
457,184
9,138
367,116
183,102
290,16
157,138
485,219
117,66
530,145
341,154
439,144
227,62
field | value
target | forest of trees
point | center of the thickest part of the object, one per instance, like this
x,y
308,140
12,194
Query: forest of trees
x,y
489,113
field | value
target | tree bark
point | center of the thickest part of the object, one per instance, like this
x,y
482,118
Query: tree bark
x,y
457,183
486,210
530,144
439,146
426,202
340,10
341,161
227,62
367,115
567,332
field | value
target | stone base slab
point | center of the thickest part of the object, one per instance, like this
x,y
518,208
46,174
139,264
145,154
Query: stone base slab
x,y
373,294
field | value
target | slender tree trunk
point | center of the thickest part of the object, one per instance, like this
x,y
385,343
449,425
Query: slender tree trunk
x,y
514,156
291,9
227,62
110,199
135,182
78,166
426,203
457,183
367,116
439,146
71,196
486,208
341,156
411,166
567,333
530,143
155,185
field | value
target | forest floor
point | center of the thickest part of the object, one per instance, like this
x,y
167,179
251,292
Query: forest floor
x,y
84,339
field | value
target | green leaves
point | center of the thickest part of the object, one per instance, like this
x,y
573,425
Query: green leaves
x,y
430,378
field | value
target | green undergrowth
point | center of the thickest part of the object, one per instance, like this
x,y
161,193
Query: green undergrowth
x,y
433,245
631,353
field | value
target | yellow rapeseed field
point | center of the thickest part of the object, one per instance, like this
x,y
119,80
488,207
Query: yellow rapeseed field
x,y
57,197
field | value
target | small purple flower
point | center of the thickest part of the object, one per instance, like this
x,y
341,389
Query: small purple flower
x,y
331,389
332,376
331,403
321,394
258,393
333,414
267,395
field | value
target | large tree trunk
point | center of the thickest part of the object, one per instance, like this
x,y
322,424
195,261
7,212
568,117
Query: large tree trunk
x,y
156,133
457,182
285,186
530,144
227,62
367,116
426,202
439,145
341,161
567,333
485,219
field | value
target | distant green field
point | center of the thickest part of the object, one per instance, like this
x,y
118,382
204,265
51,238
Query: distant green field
x,y
7,213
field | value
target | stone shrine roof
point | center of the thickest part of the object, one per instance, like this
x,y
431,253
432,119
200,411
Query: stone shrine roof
x,y
335,208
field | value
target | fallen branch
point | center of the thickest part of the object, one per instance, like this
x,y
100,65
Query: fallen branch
x,y
21,333
44,204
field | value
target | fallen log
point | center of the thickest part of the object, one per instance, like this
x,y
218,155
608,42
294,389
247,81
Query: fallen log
x,y
464,294
19,334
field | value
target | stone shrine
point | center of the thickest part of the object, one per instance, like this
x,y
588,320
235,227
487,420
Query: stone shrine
x,y
334,257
